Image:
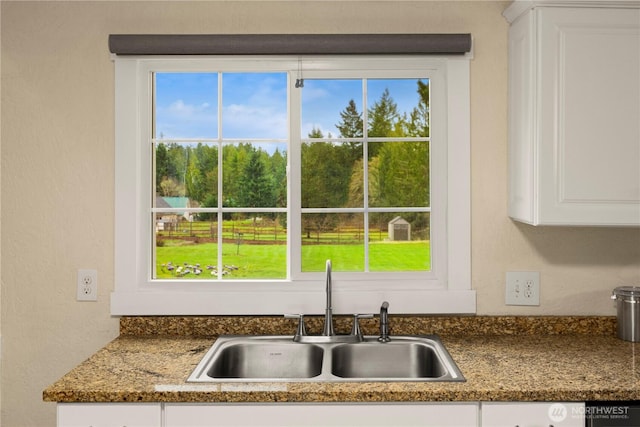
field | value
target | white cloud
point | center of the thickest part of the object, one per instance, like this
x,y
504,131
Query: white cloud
x,y
183,120
250,121
314,93
179,108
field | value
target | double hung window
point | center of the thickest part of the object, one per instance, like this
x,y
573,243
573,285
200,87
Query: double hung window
x,y
236,178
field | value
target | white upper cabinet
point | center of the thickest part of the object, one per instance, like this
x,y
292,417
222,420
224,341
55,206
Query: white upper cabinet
x,y
574,113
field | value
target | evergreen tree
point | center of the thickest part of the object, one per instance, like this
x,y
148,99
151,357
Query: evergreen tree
x,y
403,174
176,166
351,125
316,133
234,158
255,185
418,124
278,165
162,165
383,116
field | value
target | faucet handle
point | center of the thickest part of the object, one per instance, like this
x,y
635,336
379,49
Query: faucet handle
x,y
302,330
364,316
355,330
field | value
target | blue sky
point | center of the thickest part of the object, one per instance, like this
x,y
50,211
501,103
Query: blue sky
x,y
254,104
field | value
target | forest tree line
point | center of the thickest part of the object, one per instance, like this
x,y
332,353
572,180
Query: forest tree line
x,y
332,172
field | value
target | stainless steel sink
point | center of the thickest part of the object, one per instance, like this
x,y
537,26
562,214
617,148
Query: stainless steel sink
x,y
275,358
280,359
395,359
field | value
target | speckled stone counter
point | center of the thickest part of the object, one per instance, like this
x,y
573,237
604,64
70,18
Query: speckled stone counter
x,y
502,359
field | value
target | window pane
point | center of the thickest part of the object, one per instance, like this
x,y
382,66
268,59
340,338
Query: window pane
x,y
185,246
398,108
254,246
186,105
254,106
332,175
394,173
399,241
339,237
254,175
335,174
186,175
332,108
399,174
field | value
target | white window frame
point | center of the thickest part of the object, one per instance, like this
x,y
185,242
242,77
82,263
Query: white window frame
x,y
445,289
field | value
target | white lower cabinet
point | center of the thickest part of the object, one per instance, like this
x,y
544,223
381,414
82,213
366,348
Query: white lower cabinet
x,y
322,414
507,414
463,414
109,414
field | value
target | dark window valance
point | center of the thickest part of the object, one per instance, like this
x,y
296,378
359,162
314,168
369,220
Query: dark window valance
x,y
288,44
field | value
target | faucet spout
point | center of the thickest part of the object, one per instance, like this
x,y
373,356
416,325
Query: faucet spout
x,y
328,313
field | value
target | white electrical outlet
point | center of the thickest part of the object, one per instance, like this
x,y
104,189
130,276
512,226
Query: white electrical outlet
x,y
523,288
87,285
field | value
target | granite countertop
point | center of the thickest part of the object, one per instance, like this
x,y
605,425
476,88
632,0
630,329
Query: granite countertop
x,y
502,359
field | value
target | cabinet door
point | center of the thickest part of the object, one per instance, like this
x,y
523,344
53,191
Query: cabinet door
x,y
316,415
109,414
589,110
574,97
532,414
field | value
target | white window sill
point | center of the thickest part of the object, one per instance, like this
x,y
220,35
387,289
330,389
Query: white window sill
x,y
292,302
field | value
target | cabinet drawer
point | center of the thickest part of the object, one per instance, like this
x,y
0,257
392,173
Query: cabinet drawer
x,y
506,414
325,415
109,414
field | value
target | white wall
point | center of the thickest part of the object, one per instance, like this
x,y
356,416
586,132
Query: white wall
x,y
57,171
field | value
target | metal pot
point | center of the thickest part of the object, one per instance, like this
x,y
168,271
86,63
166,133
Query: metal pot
x,y
628,305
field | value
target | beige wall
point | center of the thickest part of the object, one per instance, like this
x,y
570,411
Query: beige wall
x,y
0,221
57,171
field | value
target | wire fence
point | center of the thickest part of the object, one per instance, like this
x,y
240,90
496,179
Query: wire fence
x,y
269,231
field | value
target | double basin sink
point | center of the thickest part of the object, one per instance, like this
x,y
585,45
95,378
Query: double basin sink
x,y
279,359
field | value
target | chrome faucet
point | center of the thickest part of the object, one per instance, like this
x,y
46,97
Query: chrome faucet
x,y
384,322
328,331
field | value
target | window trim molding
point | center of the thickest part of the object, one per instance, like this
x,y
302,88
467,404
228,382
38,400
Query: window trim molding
x,y
132,297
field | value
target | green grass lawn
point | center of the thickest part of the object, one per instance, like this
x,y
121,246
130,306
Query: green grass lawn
x,y
269,261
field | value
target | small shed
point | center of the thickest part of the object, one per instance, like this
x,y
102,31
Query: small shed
x,y
168,221
399,229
